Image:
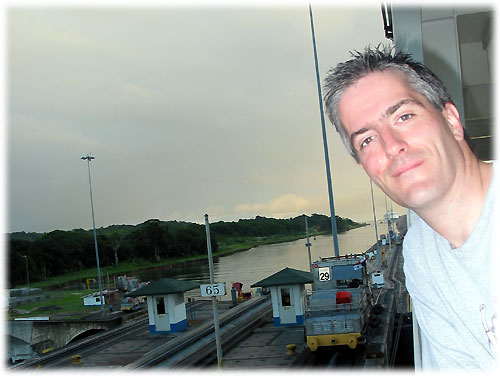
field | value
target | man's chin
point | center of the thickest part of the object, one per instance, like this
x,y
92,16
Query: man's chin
x,y
414,199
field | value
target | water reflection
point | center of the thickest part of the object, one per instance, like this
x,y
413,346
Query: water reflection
x,y
260,262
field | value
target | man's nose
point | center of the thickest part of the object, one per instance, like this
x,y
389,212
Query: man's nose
x,y
394,143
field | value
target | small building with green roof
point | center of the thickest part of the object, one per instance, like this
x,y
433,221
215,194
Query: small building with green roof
x,y
287,290
166,306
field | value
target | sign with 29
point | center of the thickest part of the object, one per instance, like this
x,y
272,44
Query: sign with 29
x,y
324,274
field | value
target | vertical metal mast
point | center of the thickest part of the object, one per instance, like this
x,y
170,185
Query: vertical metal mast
x,y
325,145
214,299
379,254
308,245
88,157
389,223
28,271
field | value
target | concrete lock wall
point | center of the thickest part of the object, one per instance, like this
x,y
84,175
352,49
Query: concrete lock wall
x,y
19,340
38,336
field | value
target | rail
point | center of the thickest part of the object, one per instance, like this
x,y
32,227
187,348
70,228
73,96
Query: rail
x,y
175,352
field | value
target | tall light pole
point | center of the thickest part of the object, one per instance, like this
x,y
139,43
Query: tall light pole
x,y
379,255
27,272
88,158
325,145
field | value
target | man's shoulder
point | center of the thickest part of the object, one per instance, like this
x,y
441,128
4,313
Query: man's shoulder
x,y
417,229
418,241
410,241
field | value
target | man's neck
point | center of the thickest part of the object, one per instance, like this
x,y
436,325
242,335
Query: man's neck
x,y
456,216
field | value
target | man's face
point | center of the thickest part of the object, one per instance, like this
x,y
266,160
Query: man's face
x,y
406,146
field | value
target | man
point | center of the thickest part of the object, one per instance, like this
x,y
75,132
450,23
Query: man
x,y
399,123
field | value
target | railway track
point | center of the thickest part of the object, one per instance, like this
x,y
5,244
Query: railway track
x,y
175,350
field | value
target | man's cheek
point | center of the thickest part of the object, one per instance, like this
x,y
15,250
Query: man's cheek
x,y
373,170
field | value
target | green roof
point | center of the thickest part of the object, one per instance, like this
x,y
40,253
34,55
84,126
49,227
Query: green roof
x,y
165,286
286,276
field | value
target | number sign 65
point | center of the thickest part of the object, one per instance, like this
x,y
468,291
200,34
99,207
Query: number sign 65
x,y
213,290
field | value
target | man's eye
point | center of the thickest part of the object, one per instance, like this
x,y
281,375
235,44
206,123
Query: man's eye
x,y
366,141
404,117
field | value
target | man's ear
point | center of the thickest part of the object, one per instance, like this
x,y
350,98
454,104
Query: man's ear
x,y
452,117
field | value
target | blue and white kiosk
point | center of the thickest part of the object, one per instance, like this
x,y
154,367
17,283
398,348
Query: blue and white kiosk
x,y
287,289
166,306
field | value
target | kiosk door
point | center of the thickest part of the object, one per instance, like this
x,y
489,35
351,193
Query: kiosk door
x,y
287,310
162,321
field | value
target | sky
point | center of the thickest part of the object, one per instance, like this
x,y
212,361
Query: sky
x,y
187,110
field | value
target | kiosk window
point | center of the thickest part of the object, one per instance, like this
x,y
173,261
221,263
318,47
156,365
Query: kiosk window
x,y
160,306
285,297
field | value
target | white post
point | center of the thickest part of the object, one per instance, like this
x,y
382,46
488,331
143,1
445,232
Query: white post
x,y
214,298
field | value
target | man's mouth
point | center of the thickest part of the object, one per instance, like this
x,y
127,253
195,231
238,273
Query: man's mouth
x,y
406,168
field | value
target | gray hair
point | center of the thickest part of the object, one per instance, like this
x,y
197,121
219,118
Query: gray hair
x,y
379,59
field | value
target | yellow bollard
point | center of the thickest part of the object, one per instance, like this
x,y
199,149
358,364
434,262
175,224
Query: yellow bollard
x,y
291,349
352,342
76,359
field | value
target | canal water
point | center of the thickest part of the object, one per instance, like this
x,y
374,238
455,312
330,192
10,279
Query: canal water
x,y
260,262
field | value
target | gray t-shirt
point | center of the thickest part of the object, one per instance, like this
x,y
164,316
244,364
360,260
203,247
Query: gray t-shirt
x,y
453,292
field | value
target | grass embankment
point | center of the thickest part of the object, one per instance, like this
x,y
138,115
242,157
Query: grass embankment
x,y
69,303
226,247
64,304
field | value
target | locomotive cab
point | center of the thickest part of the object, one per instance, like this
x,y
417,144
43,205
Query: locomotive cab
x,y
336,308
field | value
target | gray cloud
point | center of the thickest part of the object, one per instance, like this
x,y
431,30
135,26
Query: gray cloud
x,y
188,111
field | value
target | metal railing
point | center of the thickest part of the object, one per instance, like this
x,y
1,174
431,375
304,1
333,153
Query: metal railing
x,y
325,301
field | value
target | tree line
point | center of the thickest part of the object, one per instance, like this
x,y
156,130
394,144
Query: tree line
x,y
59,252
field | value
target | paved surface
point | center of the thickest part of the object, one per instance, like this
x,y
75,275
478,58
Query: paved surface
x,y
266,348
138,342
126,351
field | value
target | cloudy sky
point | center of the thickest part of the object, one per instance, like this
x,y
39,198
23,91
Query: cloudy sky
x,y
187,110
